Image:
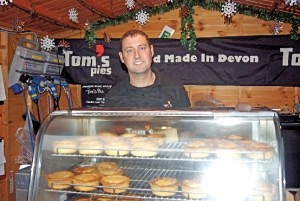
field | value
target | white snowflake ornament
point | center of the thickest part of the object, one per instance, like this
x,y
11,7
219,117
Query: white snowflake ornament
x,y
229,8
5,2
73,15
275,27
130,4
47,44
142,17
292,2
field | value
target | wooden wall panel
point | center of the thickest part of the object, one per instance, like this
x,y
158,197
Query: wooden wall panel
x,y
213,95
11,120
3,117
275,97
16,108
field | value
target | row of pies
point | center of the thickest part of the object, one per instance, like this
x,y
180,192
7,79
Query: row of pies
x,y
195,189
113,181
88,178
233,146
229,148
112,145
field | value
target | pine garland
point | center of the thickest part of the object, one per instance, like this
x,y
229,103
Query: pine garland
x,y
188,36
90,35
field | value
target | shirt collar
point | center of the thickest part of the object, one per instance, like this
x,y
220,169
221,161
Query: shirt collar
x,y
156,82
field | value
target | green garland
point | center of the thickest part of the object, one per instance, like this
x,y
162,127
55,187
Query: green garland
x,y
188,36
90,34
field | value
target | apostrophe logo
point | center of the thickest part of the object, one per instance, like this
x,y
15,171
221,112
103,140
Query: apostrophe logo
x,y
99,50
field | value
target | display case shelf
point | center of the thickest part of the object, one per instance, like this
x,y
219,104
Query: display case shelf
x,y
140,188
158,157
171,151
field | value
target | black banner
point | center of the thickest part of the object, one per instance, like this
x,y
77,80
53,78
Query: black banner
x,y
253,60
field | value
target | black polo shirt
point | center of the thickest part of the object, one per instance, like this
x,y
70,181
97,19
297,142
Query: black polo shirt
x,y
164,93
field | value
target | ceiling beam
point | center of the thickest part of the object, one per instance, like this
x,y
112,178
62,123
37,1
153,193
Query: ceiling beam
x,y
40,12
147,3
93,9
99,6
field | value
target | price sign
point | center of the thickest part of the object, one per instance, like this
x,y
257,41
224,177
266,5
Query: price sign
x,y
93,96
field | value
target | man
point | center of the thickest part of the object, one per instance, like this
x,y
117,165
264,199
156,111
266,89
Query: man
x,y
144,87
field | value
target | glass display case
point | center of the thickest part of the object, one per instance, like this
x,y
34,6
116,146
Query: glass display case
x,y
209,154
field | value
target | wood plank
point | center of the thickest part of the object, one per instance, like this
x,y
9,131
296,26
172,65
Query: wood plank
x,y
275,97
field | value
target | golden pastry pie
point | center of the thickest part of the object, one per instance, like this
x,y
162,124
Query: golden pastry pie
x,y
164,186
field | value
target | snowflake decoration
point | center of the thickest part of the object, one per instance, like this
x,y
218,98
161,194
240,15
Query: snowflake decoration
x,y
170,1
275,28
142,17
73,15
292,2
5,2
130,4
229,9
47,43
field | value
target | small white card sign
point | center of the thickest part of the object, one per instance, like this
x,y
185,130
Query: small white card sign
x,y
167,32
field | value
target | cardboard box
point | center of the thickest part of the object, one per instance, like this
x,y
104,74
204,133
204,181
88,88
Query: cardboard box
x,y
292,196
23,178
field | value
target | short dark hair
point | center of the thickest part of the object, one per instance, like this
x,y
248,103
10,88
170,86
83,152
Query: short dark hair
x,y
132,33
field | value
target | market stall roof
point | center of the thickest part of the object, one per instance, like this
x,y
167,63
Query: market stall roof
x,y
50,17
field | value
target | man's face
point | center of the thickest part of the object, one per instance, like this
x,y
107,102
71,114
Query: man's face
x,y
136,54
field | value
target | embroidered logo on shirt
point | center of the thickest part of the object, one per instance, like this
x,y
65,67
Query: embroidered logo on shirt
x,y
168,105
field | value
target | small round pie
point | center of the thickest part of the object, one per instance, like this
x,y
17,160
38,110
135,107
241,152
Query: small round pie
x,y
64,147
106,165
60,179
192,189
259,151
164,186
110,171
144,149
228,149
116,148
90,147
117,183
103,198
86,182
235,137
84,170
197,149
